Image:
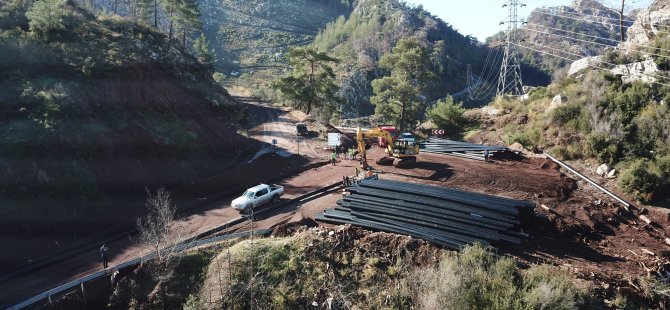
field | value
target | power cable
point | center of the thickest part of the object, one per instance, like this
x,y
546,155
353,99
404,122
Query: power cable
x,y
598,37
591,42
588,64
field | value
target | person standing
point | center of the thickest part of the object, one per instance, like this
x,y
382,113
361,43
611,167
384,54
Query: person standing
x,y
333,157
103,253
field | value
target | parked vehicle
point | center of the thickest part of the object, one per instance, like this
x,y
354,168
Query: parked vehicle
x,y
256,196
301,129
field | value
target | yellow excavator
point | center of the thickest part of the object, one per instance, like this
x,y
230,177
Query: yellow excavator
x,y
401,152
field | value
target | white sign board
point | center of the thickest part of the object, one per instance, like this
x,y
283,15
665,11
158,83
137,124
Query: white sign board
x,y
333,139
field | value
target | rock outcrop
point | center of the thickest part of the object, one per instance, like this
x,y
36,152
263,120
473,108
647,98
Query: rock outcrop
x,y
637,71
649,23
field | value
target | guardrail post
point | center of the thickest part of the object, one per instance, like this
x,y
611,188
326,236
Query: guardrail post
x,y
49,297
83,293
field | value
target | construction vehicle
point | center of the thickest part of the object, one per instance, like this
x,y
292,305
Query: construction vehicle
x,y
400,153
391,130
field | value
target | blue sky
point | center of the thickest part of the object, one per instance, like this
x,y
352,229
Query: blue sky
x,y
481,18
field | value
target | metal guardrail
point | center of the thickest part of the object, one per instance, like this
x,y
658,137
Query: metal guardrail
x,y
190,243
604,190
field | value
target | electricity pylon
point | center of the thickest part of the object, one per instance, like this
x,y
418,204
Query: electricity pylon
x,y
509,81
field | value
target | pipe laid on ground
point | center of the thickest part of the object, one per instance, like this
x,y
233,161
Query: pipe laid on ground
x,y
604,190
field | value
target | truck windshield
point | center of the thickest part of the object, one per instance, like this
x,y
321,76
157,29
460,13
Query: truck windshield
x,y
249,194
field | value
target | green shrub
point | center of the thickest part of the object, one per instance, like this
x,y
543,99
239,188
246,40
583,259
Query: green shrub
x,y
477,279
48,16
601,146
566,113
446,114
641,179
561,152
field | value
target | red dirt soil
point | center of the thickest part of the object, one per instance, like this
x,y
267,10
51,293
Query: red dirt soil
x,y
582,232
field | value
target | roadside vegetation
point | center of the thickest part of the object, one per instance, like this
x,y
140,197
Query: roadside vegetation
x,y
353,269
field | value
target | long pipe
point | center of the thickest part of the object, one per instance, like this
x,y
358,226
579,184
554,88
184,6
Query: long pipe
x,y
604,190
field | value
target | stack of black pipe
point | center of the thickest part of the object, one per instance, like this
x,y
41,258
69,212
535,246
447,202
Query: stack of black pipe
x,y
449,217
458,148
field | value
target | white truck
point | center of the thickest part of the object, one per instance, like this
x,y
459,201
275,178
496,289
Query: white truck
x,y
256,196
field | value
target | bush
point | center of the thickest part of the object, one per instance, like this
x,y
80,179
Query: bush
x,y
601,146
564,114
48,16
641,179
446,114
476,279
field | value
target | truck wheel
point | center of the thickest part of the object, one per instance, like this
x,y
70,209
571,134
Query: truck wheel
x,y
275,199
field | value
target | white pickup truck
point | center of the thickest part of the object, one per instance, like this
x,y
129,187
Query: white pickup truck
x,y
256,196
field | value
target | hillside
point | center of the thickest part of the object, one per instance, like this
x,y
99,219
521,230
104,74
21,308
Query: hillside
x,y
598,113
586,28
373,29
93,110
251,37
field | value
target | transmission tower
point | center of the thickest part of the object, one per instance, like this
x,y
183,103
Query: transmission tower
x,y
469,81
509,82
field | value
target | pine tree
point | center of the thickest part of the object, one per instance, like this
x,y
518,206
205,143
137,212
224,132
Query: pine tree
x,y
204,52
400,96
311,82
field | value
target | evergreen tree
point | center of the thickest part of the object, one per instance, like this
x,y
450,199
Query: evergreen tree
x,y
188,17
204,52
400,96
311,82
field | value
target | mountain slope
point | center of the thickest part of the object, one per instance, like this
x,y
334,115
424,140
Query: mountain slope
x,y
248,36
373,29
586,28
99,109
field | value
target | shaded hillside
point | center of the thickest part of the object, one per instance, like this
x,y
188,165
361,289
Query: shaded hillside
x,y
248,36
99,108
374,28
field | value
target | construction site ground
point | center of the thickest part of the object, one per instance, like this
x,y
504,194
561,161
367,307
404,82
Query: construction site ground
x,y
579,230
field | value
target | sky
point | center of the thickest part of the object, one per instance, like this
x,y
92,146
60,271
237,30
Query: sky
x,y
481,18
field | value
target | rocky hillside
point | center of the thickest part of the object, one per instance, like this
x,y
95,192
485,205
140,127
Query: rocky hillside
x,y
98,108
611,114
586,28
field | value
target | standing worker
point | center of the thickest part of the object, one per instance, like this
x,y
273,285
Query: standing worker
x,y
333,158
351,153
103,252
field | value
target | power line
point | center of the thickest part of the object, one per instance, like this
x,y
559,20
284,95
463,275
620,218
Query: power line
x,y
600,61
590,42
487,81
555,11
569,59
632,21
509,82
583,20
597,22
598,37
